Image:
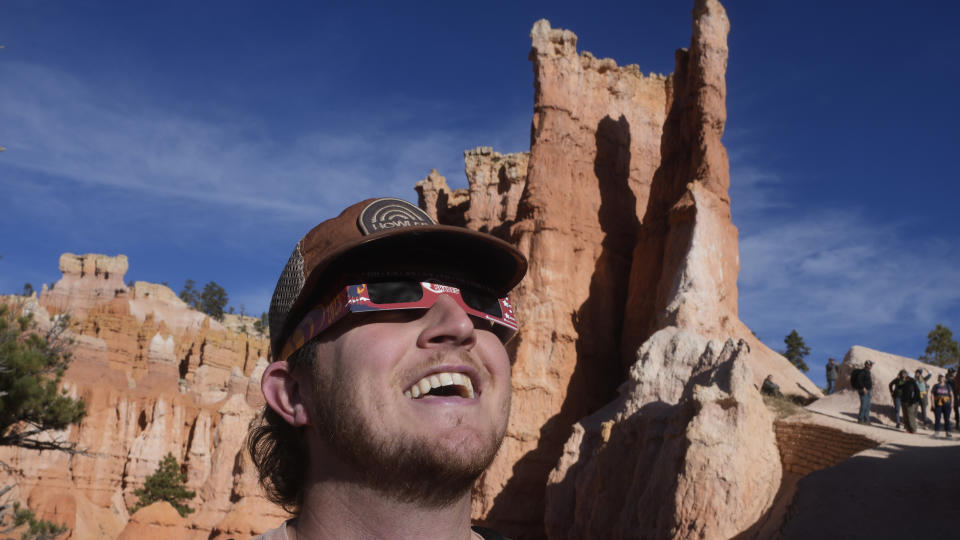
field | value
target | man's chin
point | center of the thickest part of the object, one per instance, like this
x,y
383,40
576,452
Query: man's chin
x,y
426,472
432,469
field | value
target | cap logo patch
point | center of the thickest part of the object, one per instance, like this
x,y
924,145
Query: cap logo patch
x,y
386,214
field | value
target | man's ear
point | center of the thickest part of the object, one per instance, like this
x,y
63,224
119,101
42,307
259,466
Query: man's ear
x,y
284,393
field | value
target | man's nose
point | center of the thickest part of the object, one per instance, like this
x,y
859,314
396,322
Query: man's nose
x,y
447,324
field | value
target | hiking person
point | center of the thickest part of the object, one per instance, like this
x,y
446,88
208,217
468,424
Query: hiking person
x,y
896,389
940,397
922,384
909,399
953,381
769,387
388,391
862,382
833,370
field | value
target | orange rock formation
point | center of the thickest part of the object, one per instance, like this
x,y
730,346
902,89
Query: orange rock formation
x,y
157,377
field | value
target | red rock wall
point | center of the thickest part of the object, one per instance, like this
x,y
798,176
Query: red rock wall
x,y
156,377
595,147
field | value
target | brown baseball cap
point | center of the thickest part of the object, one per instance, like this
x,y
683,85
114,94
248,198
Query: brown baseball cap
x,y
385,237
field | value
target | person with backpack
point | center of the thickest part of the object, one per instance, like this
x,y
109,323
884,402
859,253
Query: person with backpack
x,y
909,399
862,381
833,369
940,396
922,384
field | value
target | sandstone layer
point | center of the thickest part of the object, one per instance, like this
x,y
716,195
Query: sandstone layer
x,y
156,377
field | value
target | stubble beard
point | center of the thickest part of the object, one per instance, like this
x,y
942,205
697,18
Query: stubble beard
x,y
403,467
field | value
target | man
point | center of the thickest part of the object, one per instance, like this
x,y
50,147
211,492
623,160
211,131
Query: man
x,y
923,382
940,398
833,369
389,388
769,387
862,381
953,382
909,399
896,388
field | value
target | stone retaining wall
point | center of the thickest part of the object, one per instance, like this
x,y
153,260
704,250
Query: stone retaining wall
x,y
805,448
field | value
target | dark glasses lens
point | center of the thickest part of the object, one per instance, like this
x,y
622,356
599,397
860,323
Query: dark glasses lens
x,y
395,292
481,301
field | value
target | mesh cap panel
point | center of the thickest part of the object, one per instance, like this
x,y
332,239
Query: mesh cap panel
x,y
288,289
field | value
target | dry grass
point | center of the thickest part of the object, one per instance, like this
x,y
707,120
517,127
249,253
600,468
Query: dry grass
x,y
784,406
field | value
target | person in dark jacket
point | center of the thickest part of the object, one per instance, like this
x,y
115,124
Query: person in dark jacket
x,y
909,399
953,382
770,388
940,398
923,383
862,381
833,369
894,388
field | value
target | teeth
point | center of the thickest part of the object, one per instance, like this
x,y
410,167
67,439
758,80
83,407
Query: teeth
x,y
438,380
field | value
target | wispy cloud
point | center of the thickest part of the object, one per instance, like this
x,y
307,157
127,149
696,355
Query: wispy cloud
x,y
75,131
838,277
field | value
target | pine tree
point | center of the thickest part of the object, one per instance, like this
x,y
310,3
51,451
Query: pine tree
x,y
189,294
168,483
31,368
796,350
213,299
942,349
37,529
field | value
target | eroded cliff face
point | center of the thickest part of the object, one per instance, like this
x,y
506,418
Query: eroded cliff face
x,y
490,204
156,377
624,216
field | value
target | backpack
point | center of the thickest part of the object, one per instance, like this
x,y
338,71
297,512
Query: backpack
x,y
856,379
910,393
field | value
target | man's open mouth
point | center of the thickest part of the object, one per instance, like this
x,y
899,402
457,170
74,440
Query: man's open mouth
x,y
446,383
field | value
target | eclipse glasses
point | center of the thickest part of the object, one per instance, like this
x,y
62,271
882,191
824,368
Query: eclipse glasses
x,y
395,295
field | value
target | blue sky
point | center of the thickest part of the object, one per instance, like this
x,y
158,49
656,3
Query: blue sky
x,y
202,139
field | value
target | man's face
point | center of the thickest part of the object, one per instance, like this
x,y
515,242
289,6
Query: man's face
x,y
430,448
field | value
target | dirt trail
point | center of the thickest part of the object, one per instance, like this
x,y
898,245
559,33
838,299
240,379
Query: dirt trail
x,y
906,487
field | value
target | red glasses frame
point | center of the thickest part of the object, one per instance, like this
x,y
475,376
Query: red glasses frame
x,y
356,299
